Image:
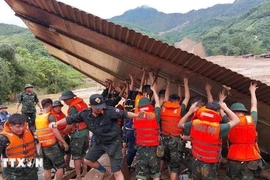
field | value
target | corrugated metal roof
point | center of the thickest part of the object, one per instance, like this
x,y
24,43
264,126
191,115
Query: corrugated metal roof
x,y
102,49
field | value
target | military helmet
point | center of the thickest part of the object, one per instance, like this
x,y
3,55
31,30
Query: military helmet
x,y
67,95
57,103
28,86
144,101
238,107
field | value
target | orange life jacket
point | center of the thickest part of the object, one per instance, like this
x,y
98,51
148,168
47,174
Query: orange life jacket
x,y
147,128
80,105
137,99
170,116
256,144
19,147
45,134
195,113
206,144
58,117
242,140
209,115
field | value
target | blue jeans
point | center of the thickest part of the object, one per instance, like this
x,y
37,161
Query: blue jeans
x,y
131,152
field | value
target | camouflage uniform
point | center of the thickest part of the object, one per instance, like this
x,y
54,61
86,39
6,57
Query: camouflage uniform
x,y
242,170
204,171
20,173
29,102
53,157
79,139
79,146
147,159
173,151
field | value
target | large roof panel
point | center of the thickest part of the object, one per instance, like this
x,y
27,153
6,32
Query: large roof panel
x,y
102,49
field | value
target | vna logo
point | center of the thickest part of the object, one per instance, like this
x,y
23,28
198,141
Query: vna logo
x,y
22,162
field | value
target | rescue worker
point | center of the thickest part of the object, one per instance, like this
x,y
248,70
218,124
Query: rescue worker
x,y
148,139
144,91
129,130
29,100
101,120
171,113
206,133
4,115
129,136
57,112
79,142
112,97
49,140
17,141
244,154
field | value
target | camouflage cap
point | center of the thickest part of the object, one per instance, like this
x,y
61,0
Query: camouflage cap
x,y
28,86
67,95
238,107
57,103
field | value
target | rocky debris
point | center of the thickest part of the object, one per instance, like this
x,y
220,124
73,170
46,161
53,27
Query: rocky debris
x,y
248,56
265,55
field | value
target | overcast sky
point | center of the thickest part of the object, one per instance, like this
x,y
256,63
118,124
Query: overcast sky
x,y
107,9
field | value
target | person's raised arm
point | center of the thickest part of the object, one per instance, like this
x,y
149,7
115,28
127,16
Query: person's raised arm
x,y
142,80
106,90
167,92
153,81
222,97
157,104
110,87
184,119
252,90
131,76
208,88
234,119
127,90
187,92
122,90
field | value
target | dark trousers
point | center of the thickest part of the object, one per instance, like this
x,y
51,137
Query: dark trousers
x,y
30,119
131,151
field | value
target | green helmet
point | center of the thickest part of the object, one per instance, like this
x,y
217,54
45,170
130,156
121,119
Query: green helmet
x,y
28,86
67,95
238,107
57,103
143,102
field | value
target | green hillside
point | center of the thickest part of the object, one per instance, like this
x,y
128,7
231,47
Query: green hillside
x,y
225,29
248,34
23,59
